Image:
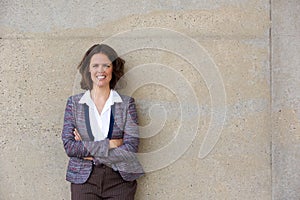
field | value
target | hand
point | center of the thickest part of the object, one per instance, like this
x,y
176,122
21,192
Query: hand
x,y
88,158
76,135
78,138
115,143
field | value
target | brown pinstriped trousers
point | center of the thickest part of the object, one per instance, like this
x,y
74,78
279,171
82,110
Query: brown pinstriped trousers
x,y
104,183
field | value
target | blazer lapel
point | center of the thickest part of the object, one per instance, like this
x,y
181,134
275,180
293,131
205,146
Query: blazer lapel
x,y
112,122
117,130
87,122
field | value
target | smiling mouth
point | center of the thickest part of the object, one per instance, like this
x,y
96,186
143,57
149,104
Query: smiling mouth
x,y
101,77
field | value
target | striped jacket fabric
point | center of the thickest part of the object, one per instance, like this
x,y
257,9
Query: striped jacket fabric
x,y
122,159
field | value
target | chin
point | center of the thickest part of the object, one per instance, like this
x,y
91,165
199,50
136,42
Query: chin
x,y
103,84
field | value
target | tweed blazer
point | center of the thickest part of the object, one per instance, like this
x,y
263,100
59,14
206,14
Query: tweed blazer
x,y
122,159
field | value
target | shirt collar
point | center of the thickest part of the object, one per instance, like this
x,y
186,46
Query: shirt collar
x,y
114,97
86,98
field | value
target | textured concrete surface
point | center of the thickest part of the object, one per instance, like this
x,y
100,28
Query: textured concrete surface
x,y
286,99
41,43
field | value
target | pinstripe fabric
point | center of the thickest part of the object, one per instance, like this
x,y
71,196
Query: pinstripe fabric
x,y
104,183
122,158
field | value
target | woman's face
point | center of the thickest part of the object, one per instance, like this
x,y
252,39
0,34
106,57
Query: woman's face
x,y
101,70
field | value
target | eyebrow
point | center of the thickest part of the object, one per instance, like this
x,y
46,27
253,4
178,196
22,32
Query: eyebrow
x,y
101,63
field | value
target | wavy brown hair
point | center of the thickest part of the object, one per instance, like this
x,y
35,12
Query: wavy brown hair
x,y
86,82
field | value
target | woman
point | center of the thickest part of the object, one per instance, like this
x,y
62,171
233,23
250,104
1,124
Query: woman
x,y
100,132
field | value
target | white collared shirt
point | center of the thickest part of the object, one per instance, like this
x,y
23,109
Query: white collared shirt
x,y
100,122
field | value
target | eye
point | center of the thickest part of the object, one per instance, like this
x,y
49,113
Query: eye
x,y
106,66
94,66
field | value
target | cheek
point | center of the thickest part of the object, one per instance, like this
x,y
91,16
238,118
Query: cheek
x,y
110,72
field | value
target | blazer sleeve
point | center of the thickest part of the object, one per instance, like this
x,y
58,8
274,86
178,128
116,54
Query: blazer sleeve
x,y
127,151
75,148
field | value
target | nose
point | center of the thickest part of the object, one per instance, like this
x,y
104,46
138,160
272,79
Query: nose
x,y
101,68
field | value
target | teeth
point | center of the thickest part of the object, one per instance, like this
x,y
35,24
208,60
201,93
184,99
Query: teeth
x,y
100,77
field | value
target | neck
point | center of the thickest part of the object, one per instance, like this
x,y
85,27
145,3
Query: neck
x,y
100,93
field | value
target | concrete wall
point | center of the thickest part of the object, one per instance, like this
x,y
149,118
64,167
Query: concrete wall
x,y
286,99
211,84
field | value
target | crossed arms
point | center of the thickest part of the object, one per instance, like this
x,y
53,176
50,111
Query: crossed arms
x,y
105,151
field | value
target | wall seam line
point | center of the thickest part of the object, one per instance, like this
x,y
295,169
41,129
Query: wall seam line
x,y
271,97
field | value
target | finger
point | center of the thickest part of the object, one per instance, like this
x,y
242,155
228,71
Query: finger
x,y
76,138
77,135
75,132
120,142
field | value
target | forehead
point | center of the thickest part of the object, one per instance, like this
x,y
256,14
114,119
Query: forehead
x,y
100,58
